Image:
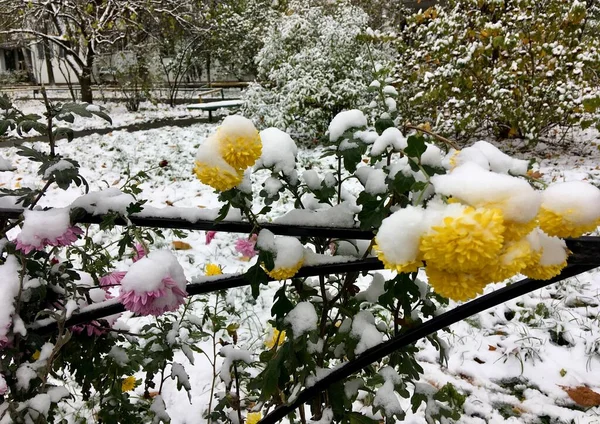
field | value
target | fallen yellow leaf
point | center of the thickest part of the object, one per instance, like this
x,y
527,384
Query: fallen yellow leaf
x,y
181,245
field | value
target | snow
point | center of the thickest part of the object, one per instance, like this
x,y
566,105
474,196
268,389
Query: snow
x,y
40,225
288,251
337,216
554,250
231,355
471,184
400,234
303,319
5,165
376,289
365,330
376,183
102,202
344,121
312,180
10,281
278,152
580,198
61,165
390,137
147,274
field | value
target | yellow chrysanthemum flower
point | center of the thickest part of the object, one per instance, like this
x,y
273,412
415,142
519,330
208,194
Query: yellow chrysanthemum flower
x,y
455,286
239,151
128,384
277,338
543,272
515,257
464,243
218,178
564,224
253,417
212,269
453,159
36,355
285,272
412,266
514,231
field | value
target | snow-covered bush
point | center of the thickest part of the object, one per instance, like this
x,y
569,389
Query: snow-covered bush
x,y
313,65
509,68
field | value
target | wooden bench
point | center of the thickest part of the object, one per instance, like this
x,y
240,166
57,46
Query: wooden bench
x,y
210,107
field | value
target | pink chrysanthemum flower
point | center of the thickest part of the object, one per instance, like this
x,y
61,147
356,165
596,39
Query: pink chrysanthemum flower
x,y
210,235
154,285
3,385
111,280
93,328
140,252
46,228
246,246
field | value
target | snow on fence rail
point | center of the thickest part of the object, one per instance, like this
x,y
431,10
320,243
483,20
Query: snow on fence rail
x,y
585,256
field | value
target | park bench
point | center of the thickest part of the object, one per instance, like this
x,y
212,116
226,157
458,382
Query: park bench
x,y
210,107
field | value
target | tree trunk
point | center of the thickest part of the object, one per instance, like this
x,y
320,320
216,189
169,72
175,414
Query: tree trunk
x,y
85,83
48,60
208,69
28,65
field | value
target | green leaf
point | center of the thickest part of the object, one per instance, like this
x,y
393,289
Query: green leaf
x,y
61,132
281,305
271,374
372,212
383,124
416,146
402,183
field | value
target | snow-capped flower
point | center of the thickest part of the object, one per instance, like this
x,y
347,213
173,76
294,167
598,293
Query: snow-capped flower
x,y
277,339
46,228
398,238
140,252
474,186
465,239
128,384
220,178
570,209
456,286
154,285
288,253
245,246
111,280
212,269
253,417
553,258
212,169
515,257
239,142
210,235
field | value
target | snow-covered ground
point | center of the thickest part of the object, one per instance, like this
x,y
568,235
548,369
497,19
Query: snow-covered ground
x,y
513,362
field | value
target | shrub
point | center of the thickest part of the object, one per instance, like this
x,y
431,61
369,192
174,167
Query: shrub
x,y
512,68
313,65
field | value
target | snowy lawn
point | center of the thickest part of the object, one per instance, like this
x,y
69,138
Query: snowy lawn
x,y
514,363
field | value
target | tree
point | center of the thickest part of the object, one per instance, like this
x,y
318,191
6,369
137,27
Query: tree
x,y
82,30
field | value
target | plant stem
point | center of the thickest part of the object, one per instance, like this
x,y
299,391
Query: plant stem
x,y
434,135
